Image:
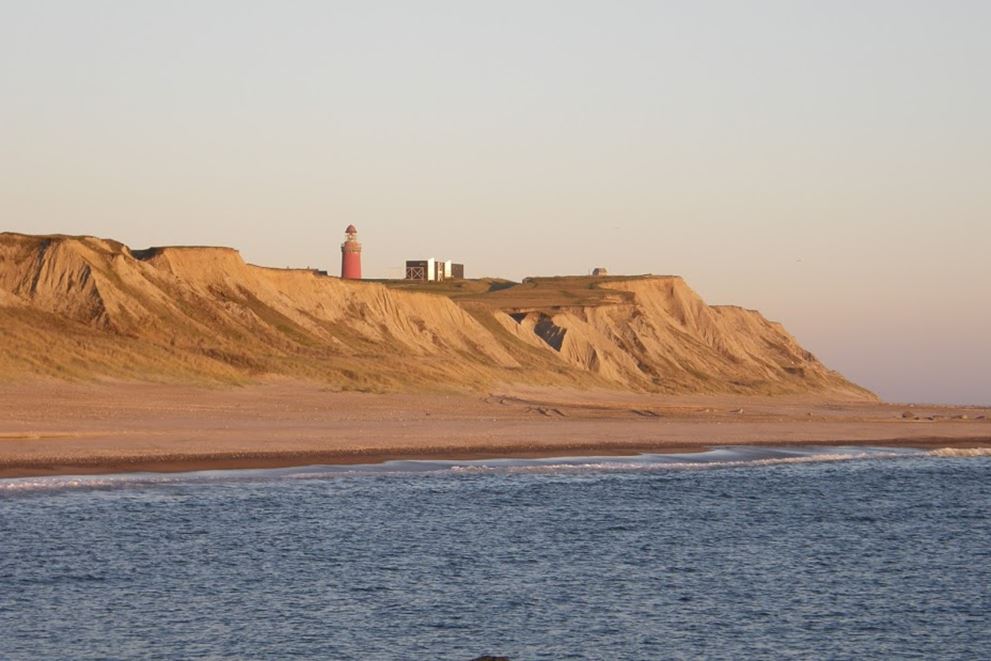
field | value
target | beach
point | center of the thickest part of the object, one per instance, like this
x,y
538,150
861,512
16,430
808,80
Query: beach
x,y
61,428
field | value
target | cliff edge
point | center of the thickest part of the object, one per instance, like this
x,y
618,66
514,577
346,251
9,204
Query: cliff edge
x,y
89,308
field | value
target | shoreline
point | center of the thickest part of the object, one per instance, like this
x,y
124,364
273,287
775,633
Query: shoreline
x,y
265,460
59,428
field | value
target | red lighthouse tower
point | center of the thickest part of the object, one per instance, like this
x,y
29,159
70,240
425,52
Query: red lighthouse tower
x,y
351,255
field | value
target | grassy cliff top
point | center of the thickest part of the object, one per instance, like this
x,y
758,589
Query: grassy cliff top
x,y
533,293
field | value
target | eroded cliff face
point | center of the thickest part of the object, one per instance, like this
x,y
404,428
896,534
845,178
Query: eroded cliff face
x,y
664,337
81,308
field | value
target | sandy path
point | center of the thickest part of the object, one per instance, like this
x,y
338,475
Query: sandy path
x,y
61,428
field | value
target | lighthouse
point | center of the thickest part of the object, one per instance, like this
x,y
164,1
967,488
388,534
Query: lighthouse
x,y
351,255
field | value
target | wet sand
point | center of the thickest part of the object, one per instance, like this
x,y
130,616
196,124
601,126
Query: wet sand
x,y
58,428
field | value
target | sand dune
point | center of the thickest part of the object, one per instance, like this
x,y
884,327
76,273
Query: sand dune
x,y
88,308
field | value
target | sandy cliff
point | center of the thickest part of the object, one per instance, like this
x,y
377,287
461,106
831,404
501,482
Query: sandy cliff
x,y
82,308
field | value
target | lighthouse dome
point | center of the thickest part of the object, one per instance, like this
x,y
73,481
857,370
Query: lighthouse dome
x,y
351,230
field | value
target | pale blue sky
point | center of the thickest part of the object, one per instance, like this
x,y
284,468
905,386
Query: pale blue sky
x,y
825,162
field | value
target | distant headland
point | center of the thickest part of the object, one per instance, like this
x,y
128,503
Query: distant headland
x,y
90,308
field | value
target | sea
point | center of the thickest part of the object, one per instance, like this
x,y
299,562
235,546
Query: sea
x,y
733,553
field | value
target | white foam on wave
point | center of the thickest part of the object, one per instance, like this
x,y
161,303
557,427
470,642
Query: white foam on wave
x,y
670,464
123,480
22,484
960,452
26,484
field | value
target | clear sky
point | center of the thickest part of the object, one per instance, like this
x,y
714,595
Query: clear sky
x,y
828,162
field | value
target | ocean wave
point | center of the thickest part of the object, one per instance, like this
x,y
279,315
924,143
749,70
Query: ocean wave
x,y
15,485
660,462
960,452
126,480
718,458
